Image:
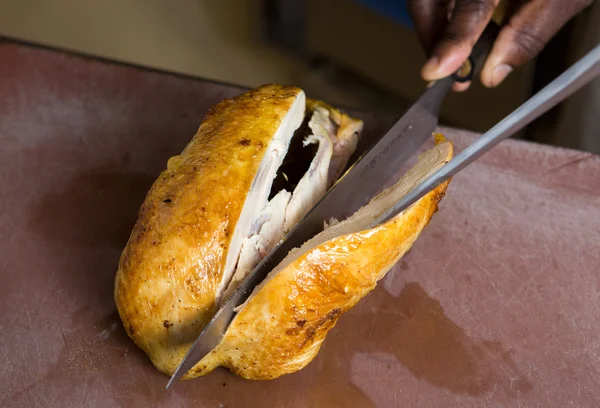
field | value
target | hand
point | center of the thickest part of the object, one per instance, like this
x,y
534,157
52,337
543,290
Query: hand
x,y
448,29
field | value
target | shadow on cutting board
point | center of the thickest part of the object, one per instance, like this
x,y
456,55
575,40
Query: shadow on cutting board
x,y
414,331
98,207
412,328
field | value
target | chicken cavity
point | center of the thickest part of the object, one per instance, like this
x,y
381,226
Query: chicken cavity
x,y
304,159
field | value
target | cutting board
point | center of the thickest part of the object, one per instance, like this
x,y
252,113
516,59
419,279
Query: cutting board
x,y
496,305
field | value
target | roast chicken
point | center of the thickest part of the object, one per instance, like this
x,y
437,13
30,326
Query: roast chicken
x,y
256,166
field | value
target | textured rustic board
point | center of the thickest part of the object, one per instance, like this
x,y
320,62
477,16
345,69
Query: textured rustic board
x,y
495,306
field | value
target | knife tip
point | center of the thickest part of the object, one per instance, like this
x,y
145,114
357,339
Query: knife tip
x,y
172,381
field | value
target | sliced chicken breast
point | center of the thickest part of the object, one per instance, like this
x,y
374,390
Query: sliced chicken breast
x,y
312,186
282,325
258,195
214,213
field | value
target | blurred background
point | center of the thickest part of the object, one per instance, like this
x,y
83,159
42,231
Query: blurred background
x,y
355,53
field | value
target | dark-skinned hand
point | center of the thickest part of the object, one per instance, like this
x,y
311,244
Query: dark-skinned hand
x,y
448,29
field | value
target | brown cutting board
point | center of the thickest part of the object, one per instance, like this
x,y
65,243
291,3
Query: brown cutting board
x,y
495,306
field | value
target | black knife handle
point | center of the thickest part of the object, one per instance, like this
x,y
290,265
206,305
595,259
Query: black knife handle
x,y
472,66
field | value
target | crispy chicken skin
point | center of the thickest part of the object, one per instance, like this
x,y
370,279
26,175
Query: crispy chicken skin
x,y
280,328
212,215
174,261
185,245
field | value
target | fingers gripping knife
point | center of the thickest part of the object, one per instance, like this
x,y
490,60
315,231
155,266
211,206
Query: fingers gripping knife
x,y
382,161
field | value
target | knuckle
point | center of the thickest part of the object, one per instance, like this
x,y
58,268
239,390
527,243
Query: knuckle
x,y
572,7
453,37
419,7
581,4
475,7
529,42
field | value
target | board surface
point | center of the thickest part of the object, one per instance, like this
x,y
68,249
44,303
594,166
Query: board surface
x,y
496,305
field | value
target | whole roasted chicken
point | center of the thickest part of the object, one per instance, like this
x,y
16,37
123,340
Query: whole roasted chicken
x,y
256,166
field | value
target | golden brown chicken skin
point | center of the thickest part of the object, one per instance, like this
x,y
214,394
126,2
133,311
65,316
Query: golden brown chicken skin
x,y
184,247
281,327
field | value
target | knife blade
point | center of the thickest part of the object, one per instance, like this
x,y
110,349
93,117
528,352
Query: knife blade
x,y
578,75
355,188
